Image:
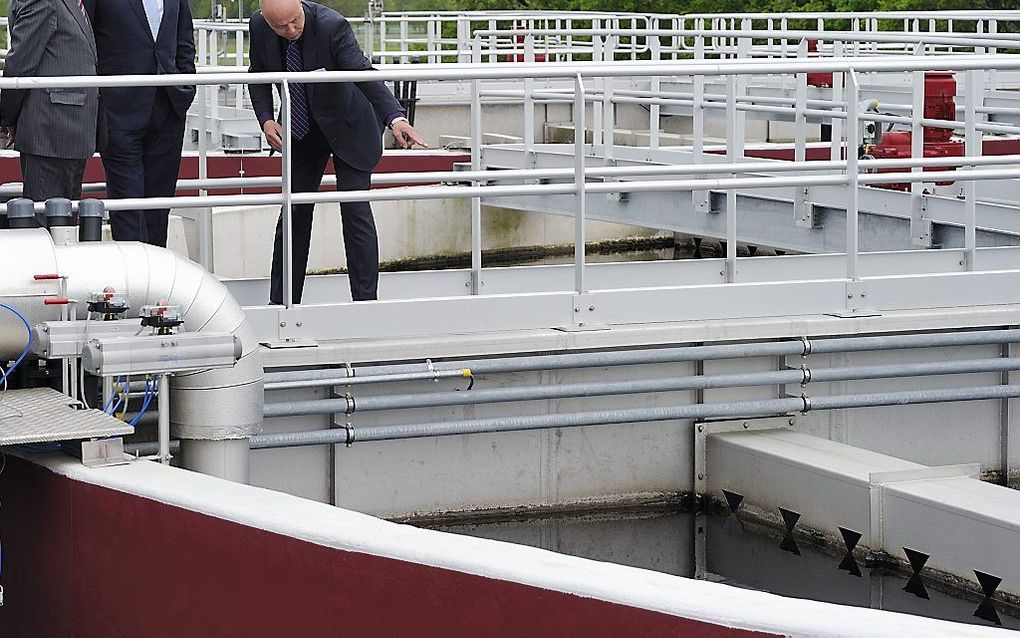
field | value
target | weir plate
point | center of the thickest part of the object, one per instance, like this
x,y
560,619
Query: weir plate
x,y
41,415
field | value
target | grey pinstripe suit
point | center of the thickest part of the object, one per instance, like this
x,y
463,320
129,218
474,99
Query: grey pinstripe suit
x,y
55,128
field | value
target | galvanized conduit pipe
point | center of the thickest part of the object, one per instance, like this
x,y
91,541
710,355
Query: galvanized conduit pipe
x,y
803,376
537,363
349,435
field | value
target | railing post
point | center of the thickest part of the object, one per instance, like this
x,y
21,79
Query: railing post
x,y
853,195
529,104
598,54
920,225
973,148
730,272
701,199
239,61
608,117
801,214
654,85
836,150
204,219
579,185
287,216
476,165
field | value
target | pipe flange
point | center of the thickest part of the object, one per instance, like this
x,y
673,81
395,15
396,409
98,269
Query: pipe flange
x,y
351,405
351,372
806,344
351,434
807,403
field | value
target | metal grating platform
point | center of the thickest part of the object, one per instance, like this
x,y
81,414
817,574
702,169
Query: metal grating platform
x,y
41,414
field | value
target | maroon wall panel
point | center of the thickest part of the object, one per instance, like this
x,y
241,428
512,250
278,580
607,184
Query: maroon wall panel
x,y
86,561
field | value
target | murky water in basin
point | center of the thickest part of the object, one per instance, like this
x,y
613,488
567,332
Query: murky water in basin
x,y
665,542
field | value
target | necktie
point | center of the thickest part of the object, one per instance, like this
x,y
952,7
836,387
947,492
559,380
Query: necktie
x,y
298,98
154,15
81,7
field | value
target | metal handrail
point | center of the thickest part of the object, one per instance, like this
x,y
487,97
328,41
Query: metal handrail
x,y
851,173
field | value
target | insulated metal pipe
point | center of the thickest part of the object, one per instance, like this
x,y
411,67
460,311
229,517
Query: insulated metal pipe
x,y
803,375
292,384
349,435
537,363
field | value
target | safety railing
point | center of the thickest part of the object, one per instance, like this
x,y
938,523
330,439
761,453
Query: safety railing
x,y
438,37
594,171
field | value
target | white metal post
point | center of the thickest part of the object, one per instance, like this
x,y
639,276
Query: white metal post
x,y
239,61
529,104
203,220
801,214
920,226
288,213
973,148
835,153
579,185
476,165
730,272
701,199
853,195
608,124
163,405
655,85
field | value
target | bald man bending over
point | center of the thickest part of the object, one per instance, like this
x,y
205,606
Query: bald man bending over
x,y
343,121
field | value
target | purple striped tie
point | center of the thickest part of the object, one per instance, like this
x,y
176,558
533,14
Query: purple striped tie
x,y
298,98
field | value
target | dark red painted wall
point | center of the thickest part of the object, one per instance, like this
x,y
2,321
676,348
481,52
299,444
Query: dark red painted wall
x,y
85,561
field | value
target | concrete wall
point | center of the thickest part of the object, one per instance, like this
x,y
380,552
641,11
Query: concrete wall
x,y
566,466
243,236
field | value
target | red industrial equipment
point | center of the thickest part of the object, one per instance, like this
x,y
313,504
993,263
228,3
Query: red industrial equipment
x,y
939,91
817,79
519,44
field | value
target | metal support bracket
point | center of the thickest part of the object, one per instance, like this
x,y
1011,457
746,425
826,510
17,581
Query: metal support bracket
x,y
103,453
857,300
920,222
803,208
704,429
586,315
291,330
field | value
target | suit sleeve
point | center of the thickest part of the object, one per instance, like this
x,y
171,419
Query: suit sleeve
x,y
261,94
185,39
32,25
349,57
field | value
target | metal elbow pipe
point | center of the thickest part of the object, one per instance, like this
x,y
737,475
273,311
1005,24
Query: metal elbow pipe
x,y
215,405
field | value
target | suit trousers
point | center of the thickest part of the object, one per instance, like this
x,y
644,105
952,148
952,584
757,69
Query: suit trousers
x,y
46,177
361,242
144,163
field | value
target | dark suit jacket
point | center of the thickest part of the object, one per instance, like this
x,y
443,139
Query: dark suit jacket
x,y
350,115
126,47
51,38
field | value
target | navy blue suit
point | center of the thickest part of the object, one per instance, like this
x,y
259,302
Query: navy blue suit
x,y
346,124
146,124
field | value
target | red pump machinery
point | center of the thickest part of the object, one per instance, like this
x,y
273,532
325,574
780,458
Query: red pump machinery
x,y
939,91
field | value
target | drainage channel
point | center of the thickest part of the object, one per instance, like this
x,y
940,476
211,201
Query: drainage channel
x,y
741,552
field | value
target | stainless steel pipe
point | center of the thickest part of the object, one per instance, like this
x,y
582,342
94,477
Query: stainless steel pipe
x,y
349,435
803,375
537,363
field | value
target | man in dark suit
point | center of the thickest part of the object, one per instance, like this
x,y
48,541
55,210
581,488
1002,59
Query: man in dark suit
x,y
54,129
343,121
146,124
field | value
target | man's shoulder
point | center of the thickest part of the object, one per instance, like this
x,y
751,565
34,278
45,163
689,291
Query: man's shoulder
x,y
325,16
